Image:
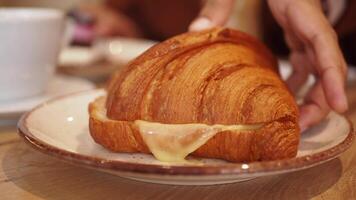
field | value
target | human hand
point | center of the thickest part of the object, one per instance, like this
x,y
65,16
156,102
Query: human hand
x,y
214,13
110,22
314,49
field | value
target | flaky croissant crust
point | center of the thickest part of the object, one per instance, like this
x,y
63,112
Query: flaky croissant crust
x,y
219,76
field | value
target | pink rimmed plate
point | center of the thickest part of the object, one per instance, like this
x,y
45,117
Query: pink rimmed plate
x,y
60,128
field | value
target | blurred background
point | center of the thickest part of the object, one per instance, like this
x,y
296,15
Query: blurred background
x,y
62,4
103,35
97,38
160,19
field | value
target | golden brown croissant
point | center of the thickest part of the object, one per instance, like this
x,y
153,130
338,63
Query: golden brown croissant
x,y
220,76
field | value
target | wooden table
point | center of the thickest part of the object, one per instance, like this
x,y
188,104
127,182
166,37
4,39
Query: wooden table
x,y
28,174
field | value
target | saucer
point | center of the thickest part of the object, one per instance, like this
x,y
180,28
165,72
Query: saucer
x,y
59,85
60,128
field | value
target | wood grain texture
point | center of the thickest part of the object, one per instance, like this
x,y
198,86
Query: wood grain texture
x,y
28,174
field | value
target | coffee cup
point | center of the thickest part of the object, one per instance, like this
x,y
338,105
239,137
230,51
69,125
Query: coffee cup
x,y
30,41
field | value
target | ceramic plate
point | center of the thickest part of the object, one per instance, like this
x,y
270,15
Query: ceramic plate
x,y
60,128
59,85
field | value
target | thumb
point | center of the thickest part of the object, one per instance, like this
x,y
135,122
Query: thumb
x,y
214,13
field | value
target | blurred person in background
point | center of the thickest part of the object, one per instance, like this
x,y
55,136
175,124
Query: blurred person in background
x,y
306,26
152,19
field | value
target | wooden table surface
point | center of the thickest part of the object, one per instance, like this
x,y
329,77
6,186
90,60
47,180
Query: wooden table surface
x,y
28,174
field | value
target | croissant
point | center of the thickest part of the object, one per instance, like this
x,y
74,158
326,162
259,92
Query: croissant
x,y
221,80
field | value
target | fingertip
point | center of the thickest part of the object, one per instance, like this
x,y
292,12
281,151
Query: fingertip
x,y
304,121
338,102
310,115
341,104
333,87
200,24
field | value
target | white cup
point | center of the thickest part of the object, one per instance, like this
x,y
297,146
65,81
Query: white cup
x,y
30,41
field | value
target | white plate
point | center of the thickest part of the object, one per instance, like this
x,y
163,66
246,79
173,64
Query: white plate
x,y
106,56
60,128
59,85
123,50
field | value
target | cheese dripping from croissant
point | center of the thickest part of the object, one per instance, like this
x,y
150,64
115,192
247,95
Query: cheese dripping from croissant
x,y
174,142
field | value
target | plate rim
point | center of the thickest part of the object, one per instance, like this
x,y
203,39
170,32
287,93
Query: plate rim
x,y
242,169
13,114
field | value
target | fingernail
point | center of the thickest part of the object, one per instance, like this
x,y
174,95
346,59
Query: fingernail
x,y
340,104
201,24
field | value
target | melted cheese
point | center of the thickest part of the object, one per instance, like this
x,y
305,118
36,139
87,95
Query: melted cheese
x,y
173,142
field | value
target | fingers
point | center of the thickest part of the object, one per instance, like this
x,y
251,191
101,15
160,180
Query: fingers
x,y
300,72
301,65
314,109
332,70
214,13
311,26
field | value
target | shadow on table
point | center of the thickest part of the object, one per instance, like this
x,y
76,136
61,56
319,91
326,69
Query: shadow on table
x,y
49,178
